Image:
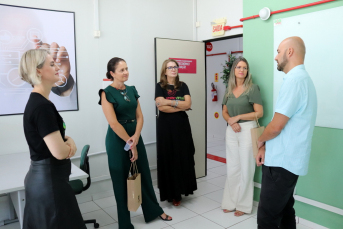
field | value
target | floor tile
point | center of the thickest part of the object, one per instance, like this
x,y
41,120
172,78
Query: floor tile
x,y
100,216
178,213
106,202
212,164
11,226
111,226
112,211
221,170
205,188
226,219
139,223
216,196
218,181
246,224
156,189
200,204
209,175
197,222
88,207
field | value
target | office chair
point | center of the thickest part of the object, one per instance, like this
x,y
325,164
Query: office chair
x,y
77,185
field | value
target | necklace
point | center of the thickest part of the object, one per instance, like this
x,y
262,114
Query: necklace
x,y
123,93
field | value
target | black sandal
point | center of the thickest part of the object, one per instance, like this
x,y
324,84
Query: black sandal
x,y
166,219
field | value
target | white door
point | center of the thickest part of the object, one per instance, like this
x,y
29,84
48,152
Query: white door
x,y
169,48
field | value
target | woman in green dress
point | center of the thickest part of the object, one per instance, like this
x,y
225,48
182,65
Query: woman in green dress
x,y
123,112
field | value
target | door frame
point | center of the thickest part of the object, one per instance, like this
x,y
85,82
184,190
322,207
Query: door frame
x,y
205,41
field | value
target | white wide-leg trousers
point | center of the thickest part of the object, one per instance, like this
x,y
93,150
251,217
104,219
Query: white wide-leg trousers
x,y
239,186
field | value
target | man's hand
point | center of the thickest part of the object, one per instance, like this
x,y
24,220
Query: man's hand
x,y
260,156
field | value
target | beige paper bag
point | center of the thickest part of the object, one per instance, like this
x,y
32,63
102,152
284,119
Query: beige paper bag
x,y
134,190
255,134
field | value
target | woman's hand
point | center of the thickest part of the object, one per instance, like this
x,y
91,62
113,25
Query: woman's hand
x,y
233,120
134,138
160,101
70,142
236,127
134,154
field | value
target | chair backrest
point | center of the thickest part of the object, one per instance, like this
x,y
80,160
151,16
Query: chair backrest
x,y
84,165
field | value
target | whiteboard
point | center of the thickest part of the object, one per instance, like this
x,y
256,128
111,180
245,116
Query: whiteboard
x,y
322,33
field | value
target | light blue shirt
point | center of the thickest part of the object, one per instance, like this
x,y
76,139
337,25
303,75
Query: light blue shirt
x,y
298,101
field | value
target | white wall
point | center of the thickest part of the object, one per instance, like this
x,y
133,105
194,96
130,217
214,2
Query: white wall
x,y
127,29
208,11
214,64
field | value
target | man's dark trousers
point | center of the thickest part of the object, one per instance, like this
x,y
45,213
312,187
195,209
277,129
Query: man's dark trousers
x,y
275,209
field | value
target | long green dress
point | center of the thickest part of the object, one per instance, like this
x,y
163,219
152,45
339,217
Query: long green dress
x,y
119,161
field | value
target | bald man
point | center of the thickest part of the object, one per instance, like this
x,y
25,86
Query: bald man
x,y
285,145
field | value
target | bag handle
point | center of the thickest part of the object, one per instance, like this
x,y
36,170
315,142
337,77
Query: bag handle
x,y
257,120
135,169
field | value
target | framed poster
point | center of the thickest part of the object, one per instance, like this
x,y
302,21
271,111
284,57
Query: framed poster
x,y
23,28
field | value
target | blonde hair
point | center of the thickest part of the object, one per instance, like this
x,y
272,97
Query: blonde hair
x,y
30,61
163,78
232,78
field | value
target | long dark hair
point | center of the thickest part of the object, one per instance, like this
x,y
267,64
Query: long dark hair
x,y
111,66
163,78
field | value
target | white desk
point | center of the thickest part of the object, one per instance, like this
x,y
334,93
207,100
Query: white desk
x,y
13,169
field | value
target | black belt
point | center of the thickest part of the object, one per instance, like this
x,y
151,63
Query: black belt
x,y
126,121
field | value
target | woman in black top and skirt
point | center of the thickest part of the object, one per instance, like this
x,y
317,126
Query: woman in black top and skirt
x,y
50,201
175,147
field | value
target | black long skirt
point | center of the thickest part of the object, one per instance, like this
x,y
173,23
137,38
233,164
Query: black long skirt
x,y
50,201
175,156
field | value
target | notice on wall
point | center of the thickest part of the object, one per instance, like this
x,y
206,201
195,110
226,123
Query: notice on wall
x,y
186,65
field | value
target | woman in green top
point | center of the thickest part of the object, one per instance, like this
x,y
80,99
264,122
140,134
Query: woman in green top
x,y
123,112
242,105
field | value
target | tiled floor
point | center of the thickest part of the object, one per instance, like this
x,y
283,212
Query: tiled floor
x,y
216,146
199,211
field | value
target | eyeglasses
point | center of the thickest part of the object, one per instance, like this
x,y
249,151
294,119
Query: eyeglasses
x,y
239,68
123,93
175,67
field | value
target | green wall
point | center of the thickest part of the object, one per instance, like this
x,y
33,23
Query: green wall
x,y
324,181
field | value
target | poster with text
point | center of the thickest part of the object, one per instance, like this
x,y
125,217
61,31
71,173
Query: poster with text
x,y
22,29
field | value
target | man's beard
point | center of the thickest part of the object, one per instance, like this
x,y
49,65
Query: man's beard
x,y
281,66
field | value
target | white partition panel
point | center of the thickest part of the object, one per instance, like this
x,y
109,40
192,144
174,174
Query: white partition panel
x,y
322,33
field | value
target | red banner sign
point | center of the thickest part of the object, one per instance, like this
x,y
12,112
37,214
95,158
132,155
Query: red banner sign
x,y
186,65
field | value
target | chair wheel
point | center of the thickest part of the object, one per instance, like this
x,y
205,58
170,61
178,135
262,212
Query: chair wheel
x,y
96,225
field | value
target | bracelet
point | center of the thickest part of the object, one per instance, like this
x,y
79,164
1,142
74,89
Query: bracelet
x,y
176,103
